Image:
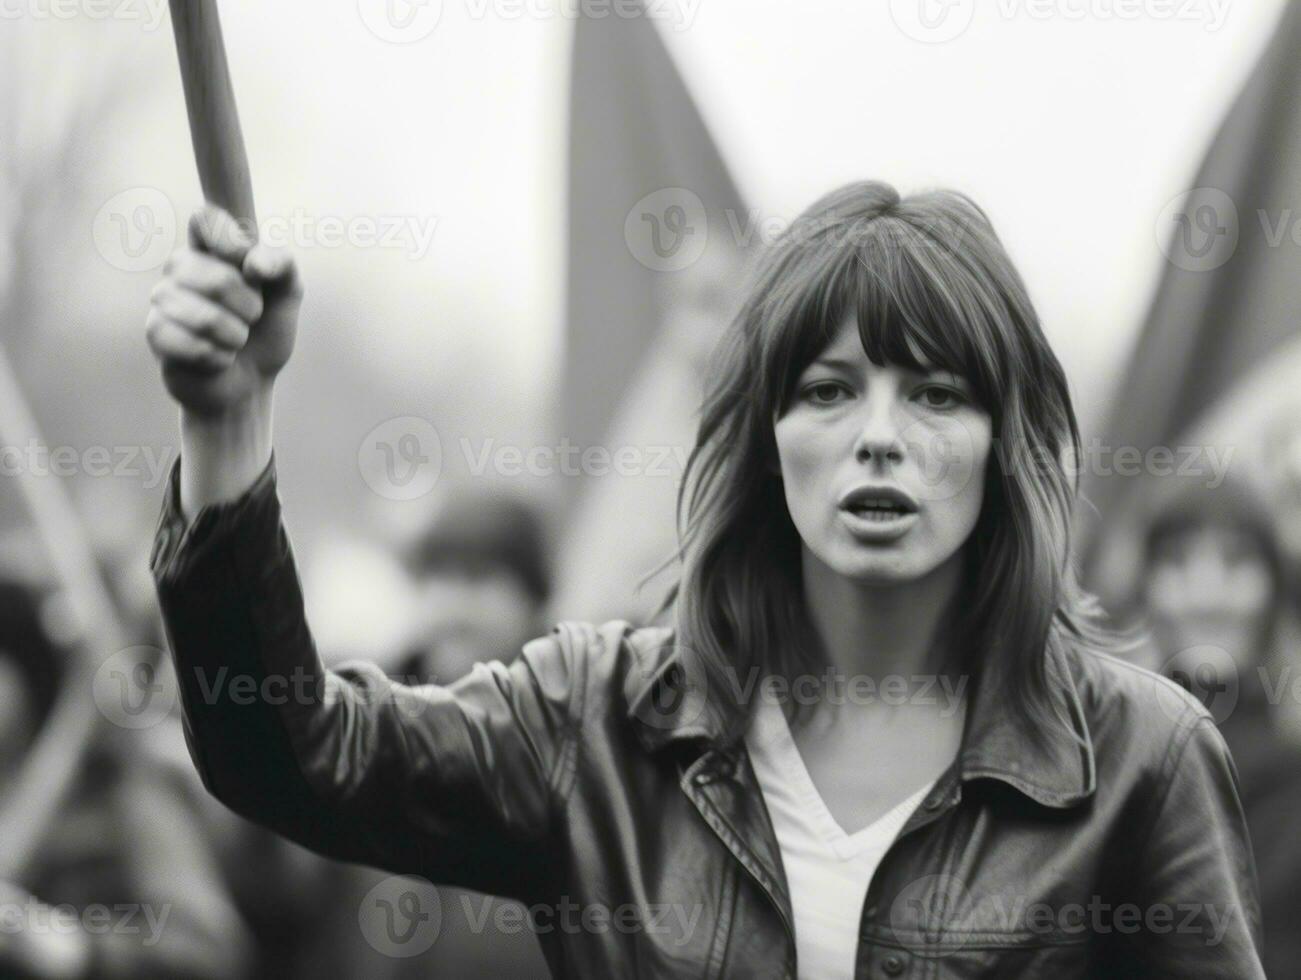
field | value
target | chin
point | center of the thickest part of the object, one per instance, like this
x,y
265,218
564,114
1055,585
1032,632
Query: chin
x,y
879,569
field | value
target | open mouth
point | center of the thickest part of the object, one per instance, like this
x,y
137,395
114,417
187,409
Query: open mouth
x,y
878,513
882,512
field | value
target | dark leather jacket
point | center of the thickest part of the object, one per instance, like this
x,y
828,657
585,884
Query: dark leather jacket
x,y
585,779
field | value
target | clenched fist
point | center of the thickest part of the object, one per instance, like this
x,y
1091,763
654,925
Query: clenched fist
x,y
223,318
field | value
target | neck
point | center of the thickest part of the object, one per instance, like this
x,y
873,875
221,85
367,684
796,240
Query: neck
x,y
879,629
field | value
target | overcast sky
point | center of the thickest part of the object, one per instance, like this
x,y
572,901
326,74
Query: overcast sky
x,y
1073,121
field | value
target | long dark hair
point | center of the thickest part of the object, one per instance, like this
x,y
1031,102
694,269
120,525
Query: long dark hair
x,y
927,274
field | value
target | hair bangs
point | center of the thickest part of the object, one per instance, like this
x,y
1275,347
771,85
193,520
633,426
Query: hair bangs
x,y
915,305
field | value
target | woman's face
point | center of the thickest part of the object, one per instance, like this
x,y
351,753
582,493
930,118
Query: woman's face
x,y
855,433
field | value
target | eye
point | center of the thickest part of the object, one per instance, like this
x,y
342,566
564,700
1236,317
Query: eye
x,y
823,392
940,397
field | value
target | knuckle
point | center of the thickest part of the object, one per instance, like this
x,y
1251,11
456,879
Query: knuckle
x,y
201,222
226,280
207,322
189,268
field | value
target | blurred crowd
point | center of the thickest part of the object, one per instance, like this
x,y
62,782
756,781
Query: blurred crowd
x,y
140,874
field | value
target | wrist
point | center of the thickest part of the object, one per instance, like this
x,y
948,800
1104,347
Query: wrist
x,y
222,455
238,428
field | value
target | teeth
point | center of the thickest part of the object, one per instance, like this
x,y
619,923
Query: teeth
x,y
877,515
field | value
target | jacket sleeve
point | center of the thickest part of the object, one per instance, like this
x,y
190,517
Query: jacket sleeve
x,y
458,784
1199,906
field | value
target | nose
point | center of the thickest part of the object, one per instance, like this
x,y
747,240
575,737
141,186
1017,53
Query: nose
x,y
879,438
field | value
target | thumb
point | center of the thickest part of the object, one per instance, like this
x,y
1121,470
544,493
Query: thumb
x,y
272,268
217,232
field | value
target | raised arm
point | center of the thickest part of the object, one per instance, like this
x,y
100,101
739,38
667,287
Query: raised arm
x,y
460,784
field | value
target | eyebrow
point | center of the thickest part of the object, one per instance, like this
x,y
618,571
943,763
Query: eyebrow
x,y
835,362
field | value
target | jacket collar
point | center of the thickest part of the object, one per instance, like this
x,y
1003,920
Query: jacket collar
x,y
668,703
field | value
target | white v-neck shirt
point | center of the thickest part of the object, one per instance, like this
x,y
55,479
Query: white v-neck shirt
x,y
827,870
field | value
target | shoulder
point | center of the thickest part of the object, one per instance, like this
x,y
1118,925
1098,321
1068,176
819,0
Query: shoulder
x,y
1140,723
1113,690
608,660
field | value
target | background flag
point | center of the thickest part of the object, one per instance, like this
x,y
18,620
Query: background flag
x,y
1227,306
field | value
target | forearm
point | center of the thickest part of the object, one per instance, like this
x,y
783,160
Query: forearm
x,y
247,669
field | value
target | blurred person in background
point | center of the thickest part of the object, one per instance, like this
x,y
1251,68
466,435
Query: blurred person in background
x,y
1215,593
482,577
1283,461
482,580
138,893
280,890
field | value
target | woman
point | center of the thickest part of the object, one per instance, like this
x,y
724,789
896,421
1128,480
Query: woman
x,y
879,738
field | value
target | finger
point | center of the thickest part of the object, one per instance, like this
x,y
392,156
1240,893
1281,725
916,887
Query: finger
x,y
219,281
200,316
216,232
273,268
173,344
175,347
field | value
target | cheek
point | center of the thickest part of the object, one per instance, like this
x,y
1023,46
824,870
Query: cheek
x,y
952,462
799,451
509,610
1251,587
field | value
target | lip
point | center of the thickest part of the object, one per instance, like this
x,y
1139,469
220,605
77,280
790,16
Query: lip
x,y
876,531
868,491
